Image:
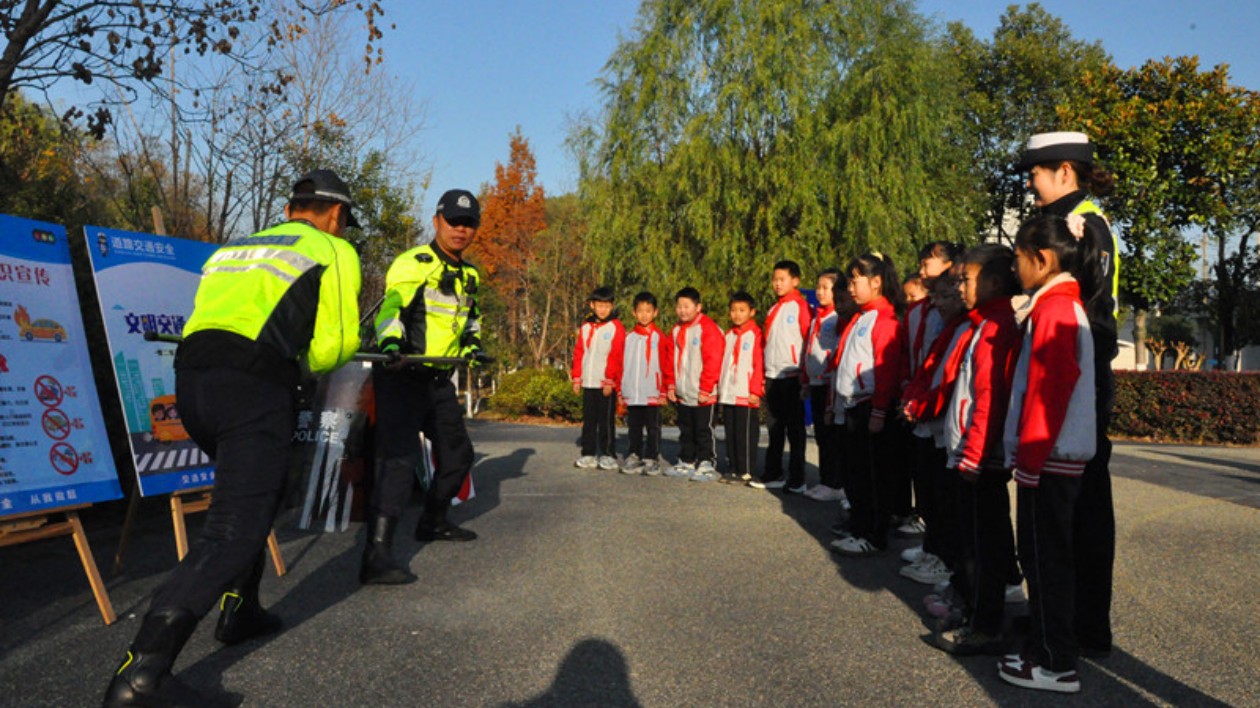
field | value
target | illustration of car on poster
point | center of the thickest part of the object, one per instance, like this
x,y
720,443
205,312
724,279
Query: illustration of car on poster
x,y
38,329
164,422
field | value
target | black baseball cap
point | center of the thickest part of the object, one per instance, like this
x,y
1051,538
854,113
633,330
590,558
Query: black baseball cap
x,y
1055,147
458,204
325,186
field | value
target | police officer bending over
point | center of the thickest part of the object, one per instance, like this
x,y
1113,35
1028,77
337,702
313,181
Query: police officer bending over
x,y
430,308
269,307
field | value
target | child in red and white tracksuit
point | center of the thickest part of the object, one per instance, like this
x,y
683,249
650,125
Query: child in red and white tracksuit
x,y
741,388
867,384
817,378
697,344
787,324
1050,435
596,374
974,422
647,373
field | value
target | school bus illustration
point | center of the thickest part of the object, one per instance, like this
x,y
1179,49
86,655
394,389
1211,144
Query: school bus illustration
x,y
164,422
38,329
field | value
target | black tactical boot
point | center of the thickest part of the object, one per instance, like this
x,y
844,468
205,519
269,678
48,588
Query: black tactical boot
x,y
144,678
241,616
433,526
378,566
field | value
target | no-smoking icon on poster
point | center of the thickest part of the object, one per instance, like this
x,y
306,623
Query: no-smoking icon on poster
x,y
48,391
64,458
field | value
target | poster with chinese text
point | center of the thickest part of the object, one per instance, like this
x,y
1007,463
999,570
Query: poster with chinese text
x,y
54,450
147,283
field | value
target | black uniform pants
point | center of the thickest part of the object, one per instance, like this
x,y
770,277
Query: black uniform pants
x,y
786,422
1094,525
245,423
743,433
695,434
937,503
988,548
411,401
908,484
827,437
599,420
1045,553
644,422
869,491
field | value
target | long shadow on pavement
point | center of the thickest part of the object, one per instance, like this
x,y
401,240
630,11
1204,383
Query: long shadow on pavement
x,y
1120,679
594,673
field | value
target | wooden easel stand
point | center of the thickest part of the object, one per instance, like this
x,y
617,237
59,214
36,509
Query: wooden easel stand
x,y
38,525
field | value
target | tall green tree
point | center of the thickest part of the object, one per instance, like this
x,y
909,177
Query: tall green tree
x,y
1014,83
1181,143
738,132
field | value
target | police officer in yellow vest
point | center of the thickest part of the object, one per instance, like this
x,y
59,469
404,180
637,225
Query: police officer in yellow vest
x,y
430,309
1063,176
271,309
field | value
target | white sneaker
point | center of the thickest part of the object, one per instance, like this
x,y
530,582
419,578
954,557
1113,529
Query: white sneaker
x,y
823,493
1028,675
772,484
632,464
912,528
608,462
929,570
854,546
651,468
912,555
586,462
1015,593
682,469
706,472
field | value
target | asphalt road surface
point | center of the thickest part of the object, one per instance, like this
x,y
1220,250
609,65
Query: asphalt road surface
x,y
592,588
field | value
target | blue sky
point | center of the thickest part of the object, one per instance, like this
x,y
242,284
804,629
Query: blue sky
x,y
483,67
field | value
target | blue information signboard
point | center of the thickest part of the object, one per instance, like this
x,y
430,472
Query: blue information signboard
x,y
147,283
54,450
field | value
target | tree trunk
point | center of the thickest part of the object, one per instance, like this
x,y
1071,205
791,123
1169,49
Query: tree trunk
x,y
1139,340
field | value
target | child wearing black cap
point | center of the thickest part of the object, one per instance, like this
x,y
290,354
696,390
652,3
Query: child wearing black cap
x,y
597,363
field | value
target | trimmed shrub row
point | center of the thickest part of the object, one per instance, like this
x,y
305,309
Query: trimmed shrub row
x,y
1188,406
1164,406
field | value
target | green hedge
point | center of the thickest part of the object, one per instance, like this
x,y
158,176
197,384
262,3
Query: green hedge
x,y
1188,406
547,393
537,392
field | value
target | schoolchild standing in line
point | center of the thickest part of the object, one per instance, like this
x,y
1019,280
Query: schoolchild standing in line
x,y
818,377
867,385
787,324
697,344
597,360
647,372
1049,438
974,421
742,385
923,323
924,402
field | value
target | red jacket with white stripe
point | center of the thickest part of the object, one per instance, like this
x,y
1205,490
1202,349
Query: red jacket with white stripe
x,y
787,325
923,325
977,409
648,367
925,397
820,348
597,356
742,372
868,360
1050,424
697,346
